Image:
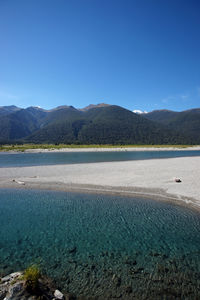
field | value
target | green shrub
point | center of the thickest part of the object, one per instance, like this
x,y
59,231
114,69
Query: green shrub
x,y
31,277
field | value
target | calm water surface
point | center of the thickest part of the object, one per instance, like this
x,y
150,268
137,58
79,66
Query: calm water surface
x,y
37,159
104,246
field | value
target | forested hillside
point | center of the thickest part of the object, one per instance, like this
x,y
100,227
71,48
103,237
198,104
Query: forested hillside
x,y
186,122
98,124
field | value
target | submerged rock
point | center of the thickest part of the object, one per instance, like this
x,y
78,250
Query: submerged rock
x,y
128,289
72,250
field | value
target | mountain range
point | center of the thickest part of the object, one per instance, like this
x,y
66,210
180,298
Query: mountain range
x,y
98,124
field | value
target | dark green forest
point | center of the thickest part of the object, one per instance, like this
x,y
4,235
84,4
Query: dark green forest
x,y
101,124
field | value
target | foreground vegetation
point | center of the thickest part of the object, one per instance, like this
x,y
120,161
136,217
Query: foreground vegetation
x,y
49,147
31,277
29,285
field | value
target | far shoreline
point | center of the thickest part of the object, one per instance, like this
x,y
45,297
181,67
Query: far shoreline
x,y
94,148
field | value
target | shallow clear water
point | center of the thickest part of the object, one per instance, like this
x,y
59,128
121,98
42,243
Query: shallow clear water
x,y
103,246
34,159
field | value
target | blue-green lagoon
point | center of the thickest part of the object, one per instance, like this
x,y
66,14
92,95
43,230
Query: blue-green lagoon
x,y
102,246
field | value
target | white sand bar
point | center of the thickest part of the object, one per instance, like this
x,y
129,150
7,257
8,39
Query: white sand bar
x,y
152,178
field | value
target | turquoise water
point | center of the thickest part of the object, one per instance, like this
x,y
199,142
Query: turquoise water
x,y
104,246
37,159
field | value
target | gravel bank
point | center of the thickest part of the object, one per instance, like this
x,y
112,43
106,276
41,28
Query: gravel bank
x,y
145,178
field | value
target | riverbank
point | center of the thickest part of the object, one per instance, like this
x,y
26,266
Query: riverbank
x,y
143,178
29,285
93,148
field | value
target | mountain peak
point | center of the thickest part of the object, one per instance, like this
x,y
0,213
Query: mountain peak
x,y
6,110
140,112
62,107
10,108
167,110
35,108
90,106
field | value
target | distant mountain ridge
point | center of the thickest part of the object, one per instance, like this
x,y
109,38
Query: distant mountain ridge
x,y
187,122
90,106
6,110
98,124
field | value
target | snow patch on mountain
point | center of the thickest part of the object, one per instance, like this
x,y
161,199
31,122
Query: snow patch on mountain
x,y
139,112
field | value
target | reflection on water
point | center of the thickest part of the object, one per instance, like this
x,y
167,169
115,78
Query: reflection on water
x,y
105,246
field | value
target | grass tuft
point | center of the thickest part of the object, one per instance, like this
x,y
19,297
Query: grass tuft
x,y
31,277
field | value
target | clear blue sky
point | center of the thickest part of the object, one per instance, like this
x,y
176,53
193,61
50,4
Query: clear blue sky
x,y
140,54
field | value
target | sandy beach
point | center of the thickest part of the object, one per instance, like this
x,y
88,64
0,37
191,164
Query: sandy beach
x,y
152,178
